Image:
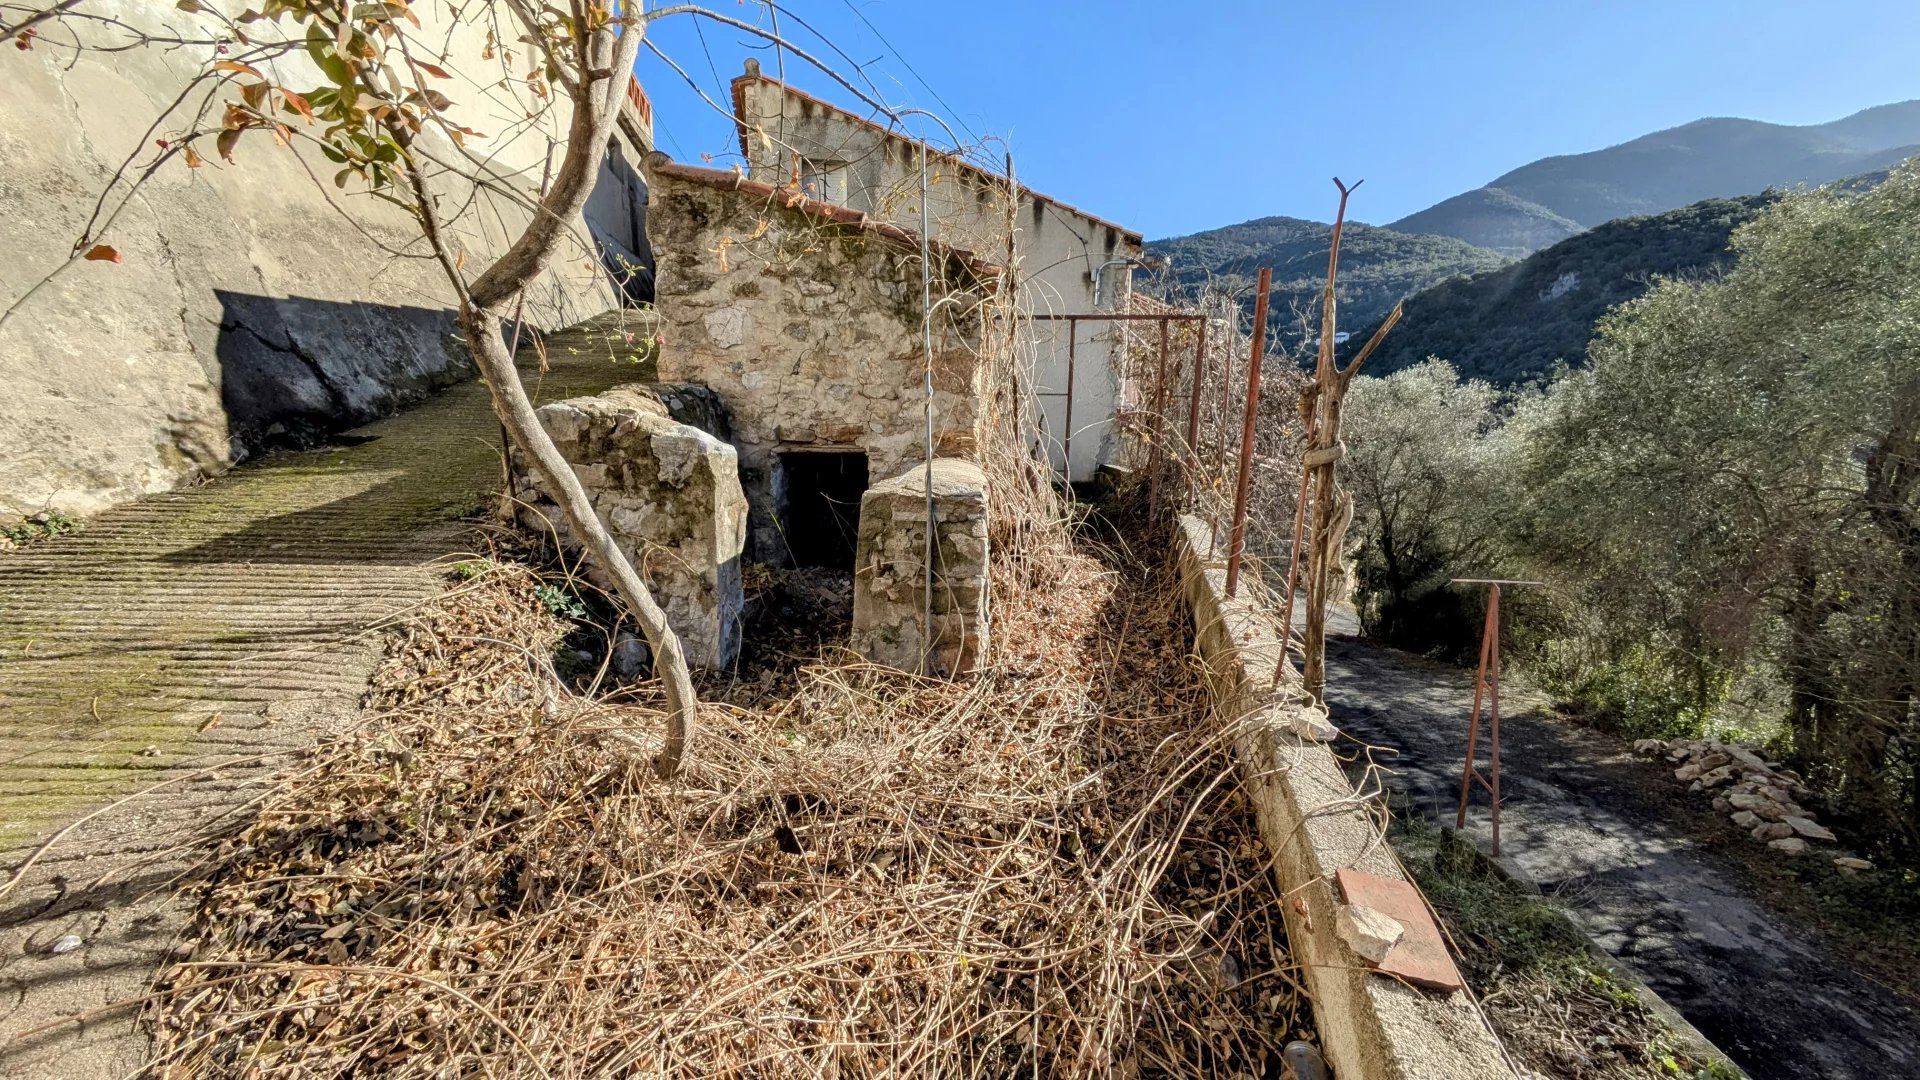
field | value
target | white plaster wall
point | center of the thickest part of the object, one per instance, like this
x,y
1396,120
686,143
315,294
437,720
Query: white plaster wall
x,y
1059,249
116,373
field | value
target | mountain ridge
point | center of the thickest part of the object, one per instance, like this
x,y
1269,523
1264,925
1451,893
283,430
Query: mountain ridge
x,y
1712,157
1378,266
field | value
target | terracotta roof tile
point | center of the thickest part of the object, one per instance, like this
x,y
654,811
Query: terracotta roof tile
x,y
659,164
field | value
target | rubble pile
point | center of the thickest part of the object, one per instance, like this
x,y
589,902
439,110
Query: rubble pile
x,y
1758,795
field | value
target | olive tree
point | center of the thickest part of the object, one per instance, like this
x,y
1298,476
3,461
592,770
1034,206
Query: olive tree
x,y
1424,462
1739,478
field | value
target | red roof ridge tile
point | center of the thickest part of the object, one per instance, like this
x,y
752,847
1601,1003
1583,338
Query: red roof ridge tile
x,y
659,164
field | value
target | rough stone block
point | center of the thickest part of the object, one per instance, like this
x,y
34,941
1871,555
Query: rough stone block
x,y
670,494
890,568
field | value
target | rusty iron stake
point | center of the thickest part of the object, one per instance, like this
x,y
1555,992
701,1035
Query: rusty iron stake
x,y
1066,426
1236,546
1159,421
1486,687
1199,377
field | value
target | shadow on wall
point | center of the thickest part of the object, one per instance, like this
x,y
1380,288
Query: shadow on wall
x,y
293,370
616,217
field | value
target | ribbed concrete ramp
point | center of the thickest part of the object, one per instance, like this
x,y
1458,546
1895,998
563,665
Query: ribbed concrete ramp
x,y
156,665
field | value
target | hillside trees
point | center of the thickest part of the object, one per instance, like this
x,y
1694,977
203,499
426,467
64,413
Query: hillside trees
x,y
1425,462
1746,458
1727,504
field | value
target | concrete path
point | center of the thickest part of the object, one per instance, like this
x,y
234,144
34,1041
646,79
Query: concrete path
x,y
157,665
1582,819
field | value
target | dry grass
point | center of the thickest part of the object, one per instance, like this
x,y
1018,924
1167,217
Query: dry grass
x,y
1046,871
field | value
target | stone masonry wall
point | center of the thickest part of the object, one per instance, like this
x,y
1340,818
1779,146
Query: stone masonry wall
x,y
1062,250
670,494
809,330
890,570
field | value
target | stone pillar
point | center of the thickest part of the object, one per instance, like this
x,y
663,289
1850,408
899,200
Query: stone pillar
x,y
890,566
670,494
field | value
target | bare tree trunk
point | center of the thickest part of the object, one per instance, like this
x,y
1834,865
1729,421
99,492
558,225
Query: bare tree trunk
x,y
510,402
1332,506
605,63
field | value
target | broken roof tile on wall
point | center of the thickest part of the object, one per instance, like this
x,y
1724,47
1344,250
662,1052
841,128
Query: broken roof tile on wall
x,y
726,179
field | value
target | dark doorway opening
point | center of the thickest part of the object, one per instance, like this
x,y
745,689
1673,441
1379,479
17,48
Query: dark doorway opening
x,y
820,513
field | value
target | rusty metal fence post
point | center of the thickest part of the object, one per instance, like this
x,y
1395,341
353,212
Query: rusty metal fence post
x,y
1486,688
1236,546
1066,423
1193,408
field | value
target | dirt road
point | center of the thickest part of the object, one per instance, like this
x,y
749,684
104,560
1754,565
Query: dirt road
x,y
1579,820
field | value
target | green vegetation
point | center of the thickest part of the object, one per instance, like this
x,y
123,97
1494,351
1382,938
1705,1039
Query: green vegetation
x,y
1517,947
561,602
1727,504
1378,267
42,526
1515,323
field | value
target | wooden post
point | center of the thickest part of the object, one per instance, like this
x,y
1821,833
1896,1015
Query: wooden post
x,y
1332,507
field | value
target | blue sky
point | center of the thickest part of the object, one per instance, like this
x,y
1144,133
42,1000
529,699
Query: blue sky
x,y
1179,115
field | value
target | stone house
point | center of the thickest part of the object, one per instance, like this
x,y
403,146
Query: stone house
x,y
1070,262
794,375
804,318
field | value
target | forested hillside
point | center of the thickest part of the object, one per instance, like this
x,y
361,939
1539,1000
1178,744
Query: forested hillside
x,y
1718,157
1513,323
1726,504
1377,266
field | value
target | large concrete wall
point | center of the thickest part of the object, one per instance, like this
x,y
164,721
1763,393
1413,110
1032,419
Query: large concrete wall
x,y
1061,250
254,303
808,328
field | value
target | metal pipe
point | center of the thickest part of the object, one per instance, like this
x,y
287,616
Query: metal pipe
x,y
1468,774
1199,377
1159,424
1066,425
1220,424
1193,411
1236,546
1493,708
1116,317
926,340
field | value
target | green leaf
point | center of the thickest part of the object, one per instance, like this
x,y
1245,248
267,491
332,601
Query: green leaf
x,y
320,47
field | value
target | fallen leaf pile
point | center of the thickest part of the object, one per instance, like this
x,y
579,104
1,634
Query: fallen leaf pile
x,y
1049,870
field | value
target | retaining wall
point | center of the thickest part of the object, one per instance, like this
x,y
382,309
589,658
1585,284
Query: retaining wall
x,y
1372,1027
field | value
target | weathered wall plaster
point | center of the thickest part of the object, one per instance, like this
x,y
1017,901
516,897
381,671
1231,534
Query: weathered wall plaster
x,y
252,303
1062,251
889,575
809,330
